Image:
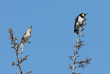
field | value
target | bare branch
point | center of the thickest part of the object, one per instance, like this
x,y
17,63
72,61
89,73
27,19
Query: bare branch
x,y
13,63
70,57
78,45
16,46
76,51
25,58
70,66
16,72
28,72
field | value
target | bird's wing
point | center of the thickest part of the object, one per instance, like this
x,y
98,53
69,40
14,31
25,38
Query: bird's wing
x,y
76,20
25,34
30,33
22,40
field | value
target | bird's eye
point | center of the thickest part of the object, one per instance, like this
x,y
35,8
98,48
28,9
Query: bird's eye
x,y
82,14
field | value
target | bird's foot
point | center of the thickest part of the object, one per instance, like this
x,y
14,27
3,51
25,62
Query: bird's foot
x,y
84,24
28,41
82,29
85,19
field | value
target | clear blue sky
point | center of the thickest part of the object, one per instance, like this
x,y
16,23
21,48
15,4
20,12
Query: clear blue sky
x,y
53,35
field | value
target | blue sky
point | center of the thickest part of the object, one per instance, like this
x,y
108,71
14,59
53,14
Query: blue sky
x,y
53,35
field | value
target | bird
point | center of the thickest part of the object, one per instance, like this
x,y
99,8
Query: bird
x,y
25,38
80,19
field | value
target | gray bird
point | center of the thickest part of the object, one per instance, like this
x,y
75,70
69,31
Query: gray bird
x,y
25,38
80,19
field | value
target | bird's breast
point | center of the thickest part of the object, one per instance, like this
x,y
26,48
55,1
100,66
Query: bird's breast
x,y
80,19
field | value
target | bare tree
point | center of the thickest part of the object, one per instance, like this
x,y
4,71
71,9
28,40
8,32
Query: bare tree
x,y
16,46
77,46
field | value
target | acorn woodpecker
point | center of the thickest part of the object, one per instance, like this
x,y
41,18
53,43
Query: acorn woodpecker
x,y
25,38
80,19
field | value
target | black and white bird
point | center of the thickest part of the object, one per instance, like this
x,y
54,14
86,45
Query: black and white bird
x,y
80,19
25,38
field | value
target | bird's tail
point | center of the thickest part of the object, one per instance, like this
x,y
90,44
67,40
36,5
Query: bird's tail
x,y
76,30
21,48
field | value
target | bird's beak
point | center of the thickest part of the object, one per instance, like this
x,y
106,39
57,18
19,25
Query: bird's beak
x,y
85,14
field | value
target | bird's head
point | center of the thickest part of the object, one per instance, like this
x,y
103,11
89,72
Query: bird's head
x,y
30,28
83,14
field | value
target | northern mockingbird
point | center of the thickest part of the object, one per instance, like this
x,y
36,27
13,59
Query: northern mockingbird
x,y
25,38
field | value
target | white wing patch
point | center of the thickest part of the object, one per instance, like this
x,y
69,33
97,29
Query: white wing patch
x,y
77,25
